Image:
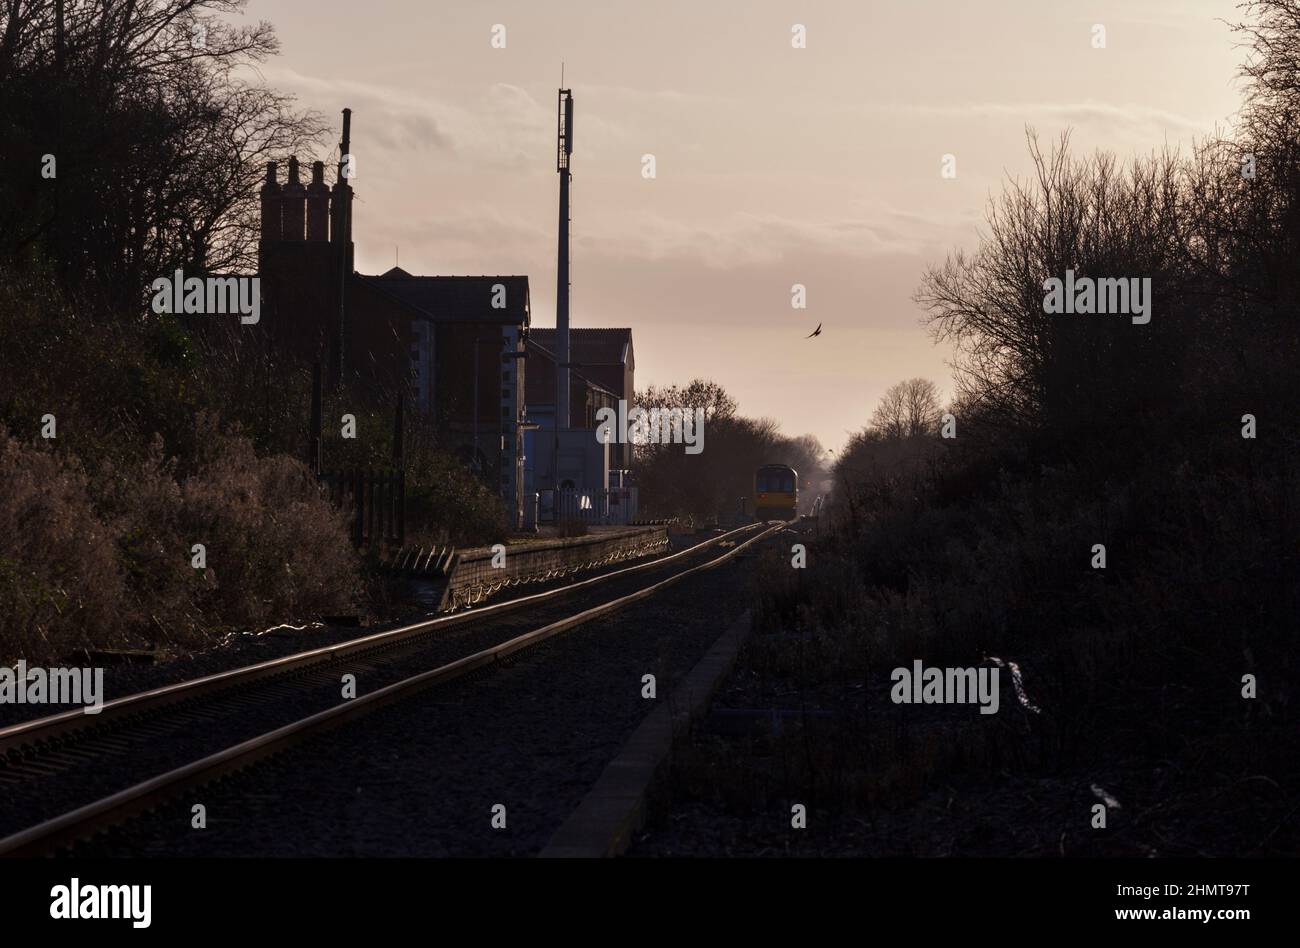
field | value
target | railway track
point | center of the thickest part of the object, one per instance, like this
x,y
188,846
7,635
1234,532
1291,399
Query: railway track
x,y
193,732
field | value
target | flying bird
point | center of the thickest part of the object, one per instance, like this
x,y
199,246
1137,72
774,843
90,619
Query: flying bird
x,y
815,332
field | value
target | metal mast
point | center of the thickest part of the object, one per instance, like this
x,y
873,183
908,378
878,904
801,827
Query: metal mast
x,y
564,149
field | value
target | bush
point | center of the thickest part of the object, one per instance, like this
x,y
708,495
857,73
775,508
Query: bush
x,y
61,581
92,563
448,503
275,546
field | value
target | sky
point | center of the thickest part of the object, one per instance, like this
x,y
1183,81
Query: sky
x,y
774,165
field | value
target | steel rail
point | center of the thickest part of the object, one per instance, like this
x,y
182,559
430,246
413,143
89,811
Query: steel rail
x,y
45,728
113,809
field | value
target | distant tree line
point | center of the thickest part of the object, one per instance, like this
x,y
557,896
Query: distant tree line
x,y
718,482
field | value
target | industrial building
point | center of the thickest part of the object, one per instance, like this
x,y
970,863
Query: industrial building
x,y
461,348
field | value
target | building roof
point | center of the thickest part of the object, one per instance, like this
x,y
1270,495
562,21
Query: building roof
x,y
543,384
592,346
455,298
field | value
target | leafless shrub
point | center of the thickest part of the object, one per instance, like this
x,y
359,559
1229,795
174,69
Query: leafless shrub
x,y
61,583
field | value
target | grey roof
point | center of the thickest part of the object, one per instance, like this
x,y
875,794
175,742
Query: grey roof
x,y
455,298
595,346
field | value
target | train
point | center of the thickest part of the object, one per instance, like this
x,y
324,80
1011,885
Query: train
x,y
776,492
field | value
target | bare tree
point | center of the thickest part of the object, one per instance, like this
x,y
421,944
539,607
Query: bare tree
x,y
907,410
157,131
698,393
1033,370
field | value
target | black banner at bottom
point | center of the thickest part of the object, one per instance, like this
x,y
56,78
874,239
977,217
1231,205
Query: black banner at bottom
x,y
334,897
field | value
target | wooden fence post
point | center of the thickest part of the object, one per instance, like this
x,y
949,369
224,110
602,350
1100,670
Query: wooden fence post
x,y
402,507
359,503
314,433
398,482
370,499
399,433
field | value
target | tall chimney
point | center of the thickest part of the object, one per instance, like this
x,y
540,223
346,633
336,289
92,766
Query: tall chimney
x,y
318,204
345,147
562,371
341,239
341,224
294,201
271,230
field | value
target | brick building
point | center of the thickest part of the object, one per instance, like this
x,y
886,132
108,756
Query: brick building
x,y
606,374
430,337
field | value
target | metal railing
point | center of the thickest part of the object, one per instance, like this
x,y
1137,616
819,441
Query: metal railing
x,y
615,505
377,500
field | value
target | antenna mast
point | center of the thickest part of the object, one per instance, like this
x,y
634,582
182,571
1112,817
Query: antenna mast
x,y
564,148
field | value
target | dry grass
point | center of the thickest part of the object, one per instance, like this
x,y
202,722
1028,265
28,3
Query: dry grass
x,y
104,561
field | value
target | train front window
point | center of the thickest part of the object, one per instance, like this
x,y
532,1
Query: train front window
x,y
774,482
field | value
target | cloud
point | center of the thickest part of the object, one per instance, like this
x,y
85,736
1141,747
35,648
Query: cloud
x,y
452,243
499,125
1070,113
748,239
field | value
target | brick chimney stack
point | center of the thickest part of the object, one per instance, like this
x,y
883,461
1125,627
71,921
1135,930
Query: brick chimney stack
x,y
341,209
342,250
294,201
271,228
318,204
